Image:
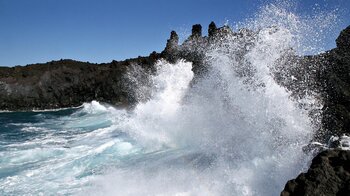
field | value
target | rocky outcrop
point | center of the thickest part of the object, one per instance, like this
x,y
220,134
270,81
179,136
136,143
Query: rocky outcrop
x,y
68,83
336,85
212,29
329,174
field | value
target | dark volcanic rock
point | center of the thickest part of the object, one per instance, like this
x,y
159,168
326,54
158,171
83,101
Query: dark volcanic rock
x,y
336,84
329,175
68,83
212,29
343,41
197,30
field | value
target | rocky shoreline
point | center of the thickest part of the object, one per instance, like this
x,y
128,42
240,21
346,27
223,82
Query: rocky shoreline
x,y
69,83
329,174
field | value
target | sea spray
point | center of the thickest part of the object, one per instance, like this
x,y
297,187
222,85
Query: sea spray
x,y
236,132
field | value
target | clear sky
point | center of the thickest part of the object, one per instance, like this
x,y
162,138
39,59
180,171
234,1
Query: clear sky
x,y
33,31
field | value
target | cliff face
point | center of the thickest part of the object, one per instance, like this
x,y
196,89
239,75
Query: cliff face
x,y
68,83
336,85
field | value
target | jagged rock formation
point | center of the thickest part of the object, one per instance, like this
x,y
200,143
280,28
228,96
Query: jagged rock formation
x,y
212,29
329,174
195,48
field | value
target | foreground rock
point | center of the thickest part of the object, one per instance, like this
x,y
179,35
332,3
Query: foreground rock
x,y
329,174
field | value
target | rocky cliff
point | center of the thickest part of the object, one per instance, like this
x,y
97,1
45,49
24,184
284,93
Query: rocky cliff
x,y
67,83
329,174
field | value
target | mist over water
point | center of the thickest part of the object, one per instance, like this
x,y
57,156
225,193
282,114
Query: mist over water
x,y
234,131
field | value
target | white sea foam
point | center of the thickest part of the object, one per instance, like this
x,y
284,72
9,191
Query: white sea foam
x,y
232,137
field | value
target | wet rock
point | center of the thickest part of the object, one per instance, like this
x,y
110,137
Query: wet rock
x,y
329,175
335,80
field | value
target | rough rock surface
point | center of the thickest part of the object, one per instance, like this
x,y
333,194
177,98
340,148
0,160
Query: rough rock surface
x,y
329,174
68,83
336,84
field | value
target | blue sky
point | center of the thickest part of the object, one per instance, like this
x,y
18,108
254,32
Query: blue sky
x,y
33,31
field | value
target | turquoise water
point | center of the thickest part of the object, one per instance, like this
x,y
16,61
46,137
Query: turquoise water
x,y
64,152
57,151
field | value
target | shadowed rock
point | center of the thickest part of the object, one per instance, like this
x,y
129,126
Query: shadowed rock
x,y
335,81
68,83
212,29
343,41
197,30
173,42
329,175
